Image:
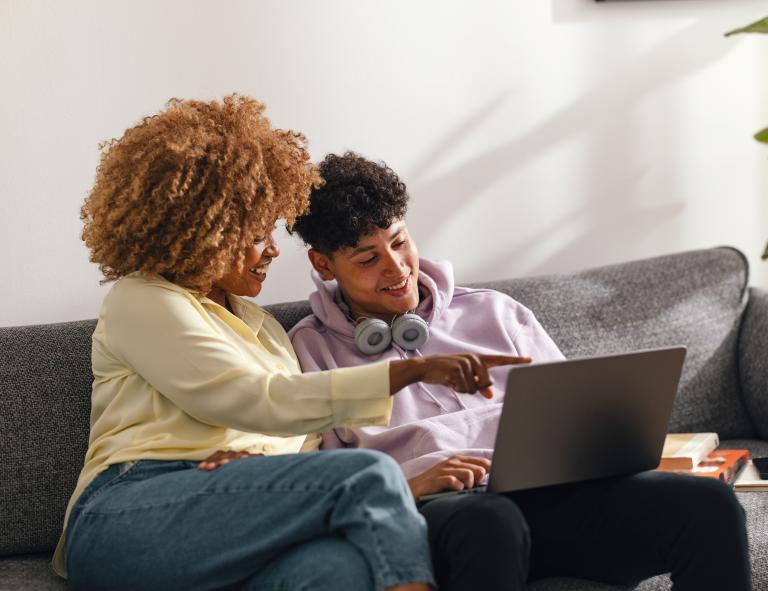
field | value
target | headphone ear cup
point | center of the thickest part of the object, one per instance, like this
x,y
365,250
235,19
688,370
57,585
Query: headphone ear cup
x,y
372,336
410,331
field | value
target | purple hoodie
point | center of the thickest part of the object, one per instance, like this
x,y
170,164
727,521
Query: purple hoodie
x,y
429,422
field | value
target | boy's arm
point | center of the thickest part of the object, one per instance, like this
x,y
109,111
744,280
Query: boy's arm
x,y
328,440
528,335
312,350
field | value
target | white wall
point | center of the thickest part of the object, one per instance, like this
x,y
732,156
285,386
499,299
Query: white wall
x,y
535,137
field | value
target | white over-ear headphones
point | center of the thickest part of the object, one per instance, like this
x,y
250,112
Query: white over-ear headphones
x,y
373,335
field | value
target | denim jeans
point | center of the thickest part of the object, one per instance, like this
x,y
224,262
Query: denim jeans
x,y
341,519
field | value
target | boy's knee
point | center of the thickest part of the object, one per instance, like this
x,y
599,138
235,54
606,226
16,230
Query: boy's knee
x,y
718,499
710,503
481,540
496,519
489,524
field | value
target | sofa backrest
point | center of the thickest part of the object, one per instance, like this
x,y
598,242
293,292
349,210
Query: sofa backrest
x,y
45,402
694,298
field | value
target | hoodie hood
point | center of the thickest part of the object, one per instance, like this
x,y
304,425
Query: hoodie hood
x,y
436,285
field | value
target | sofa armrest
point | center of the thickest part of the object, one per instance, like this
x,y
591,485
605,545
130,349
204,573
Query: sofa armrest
x,y
753,359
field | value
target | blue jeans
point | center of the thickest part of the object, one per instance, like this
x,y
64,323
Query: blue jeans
x,y
341,519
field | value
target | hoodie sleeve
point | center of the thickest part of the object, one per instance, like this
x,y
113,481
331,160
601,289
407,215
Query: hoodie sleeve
x,y
529,336
331,440
525,333
311,349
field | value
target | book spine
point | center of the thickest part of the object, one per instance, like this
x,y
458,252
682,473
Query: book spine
x,y
692,453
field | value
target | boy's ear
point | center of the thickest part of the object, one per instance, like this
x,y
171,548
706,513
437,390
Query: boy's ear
x,y
322,264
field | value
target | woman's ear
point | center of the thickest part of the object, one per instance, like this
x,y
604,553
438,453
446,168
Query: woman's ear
x,y
322,264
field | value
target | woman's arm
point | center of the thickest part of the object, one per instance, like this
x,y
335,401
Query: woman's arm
x,y
166,336
467,372
464,372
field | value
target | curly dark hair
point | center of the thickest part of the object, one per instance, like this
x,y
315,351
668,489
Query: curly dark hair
x,y
183,192
358,196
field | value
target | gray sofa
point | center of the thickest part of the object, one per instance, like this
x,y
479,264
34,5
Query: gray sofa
x,y
700,299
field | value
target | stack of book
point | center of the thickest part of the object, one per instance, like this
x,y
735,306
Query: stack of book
x,y
697,454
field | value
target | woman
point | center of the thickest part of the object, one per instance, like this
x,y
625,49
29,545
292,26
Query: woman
x,y
191,478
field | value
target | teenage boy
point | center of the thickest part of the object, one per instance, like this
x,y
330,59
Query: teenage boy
x,y
376,299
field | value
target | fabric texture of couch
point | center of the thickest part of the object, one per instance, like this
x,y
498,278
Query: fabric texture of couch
x,y
700,299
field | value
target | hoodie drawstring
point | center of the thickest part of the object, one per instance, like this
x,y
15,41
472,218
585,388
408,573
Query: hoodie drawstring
x,y
426,390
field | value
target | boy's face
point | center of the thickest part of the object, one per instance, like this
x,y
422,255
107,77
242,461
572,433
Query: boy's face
x,y
378,276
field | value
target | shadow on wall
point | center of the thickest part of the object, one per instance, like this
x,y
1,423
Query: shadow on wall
x,y
620,221
609,212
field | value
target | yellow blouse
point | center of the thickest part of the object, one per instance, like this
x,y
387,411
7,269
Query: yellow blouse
x,y
177,377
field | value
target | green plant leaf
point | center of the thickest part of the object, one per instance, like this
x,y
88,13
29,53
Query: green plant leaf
x,y
762,136
760,26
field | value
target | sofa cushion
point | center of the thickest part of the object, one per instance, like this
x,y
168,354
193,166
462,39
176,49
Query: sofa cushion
x,y
693,298
31,572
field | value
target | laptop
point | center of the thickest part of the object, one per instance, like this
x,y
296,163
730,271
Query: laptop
x,y
582,419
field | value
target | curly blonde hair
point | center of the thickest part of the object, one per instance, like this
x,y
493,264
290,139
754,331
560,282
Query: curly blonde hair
x,y
182,193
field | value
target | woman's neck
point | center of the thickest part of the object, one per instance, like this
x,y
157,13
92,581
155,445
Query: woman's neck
x,y
219,296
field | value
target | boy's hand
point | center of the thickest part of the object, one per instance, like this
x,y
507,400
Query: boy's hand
x,y
455,473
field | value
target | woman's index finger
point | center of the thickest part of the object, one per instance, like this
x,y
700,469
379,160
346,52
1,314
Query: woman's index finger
x,y
499,360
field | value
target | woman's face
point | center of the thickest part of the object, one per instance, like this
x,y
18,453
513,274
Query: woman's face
x,y
258,257
378,277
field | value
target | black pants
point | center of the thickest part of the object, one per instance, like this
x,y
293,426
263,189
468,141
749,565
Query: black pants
x,y
617,530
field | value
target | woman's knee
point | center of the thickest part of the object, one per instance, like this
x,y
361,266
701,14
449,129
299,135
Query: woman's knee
x,y
340,565
369,467
323,564
359,459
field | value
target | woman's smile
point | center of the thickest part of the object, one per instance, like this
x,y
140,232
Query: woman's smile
x,y
259,273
